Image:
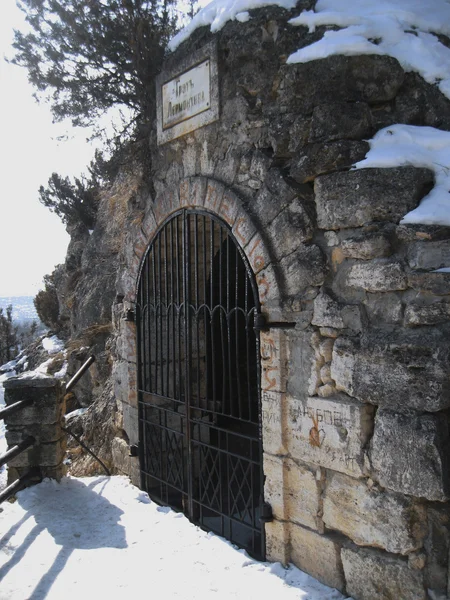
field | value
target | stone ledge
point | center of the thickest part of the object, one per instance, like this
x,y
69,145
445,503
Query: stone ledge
x,y
409,454
371,517
355,198
372,574
318,555
402,370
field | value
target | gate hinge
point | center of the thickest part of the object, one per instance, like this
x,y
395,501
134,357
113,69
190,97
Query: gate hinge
x,y
262,324
134,450
129,315
266,513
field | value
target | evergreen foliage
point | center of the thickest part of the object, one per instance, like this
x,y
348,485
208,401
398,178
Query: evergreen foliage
x,y
72,202
46,304
87,56
8,336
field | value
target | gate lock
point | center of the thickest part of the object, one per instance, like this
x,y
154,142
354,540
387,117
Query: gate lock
x,y
266,513
134,450
262,324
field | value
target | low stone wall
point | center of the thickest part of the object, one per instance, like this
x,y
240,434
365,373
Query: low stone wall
x,y
42,420
356,397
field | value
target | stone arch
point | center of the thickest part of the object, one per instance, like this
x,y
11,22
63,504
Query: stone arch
x,y
211,195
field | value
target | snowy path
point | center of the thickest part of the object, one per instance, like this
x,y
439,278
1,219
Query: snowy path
x,y
101,537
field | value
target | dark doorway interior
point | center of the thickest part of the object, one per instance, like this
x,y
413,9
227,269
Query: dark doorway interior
x,y
198,363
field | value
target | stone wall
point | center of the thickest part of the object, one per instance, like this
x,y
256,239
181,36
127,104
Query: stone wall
x,y
355,398
42,420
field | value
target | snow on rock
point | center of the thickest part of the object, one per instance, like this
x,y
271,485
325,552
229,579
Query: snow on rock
x,y
399,28
75,413
53,344
101,537
218,12
400,145
62,372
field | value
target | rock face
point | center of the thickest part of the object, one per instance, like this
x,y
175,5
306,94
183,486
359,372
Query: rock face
x,y
355,392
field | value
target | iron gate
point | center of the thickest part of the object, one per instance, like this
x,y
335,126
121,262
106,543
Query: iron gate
x,y
198,378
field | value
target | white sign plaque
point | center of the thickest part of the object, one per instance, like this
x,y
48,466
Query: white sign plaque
x,y
187,95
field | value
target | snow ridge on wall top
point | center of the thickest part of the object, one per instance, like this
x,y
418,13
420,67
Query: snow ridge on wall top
x,y
403,29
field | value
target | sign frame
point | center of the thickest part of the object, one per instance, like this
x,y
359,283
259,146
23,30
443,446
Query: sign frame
x,y
181,71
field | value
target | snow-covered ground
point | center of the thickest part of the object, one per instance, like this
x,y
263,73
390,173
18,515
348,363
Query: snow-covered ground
x,y
102,537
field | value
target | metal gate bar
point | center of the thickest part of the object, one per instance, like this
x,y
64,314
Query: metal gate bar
x,y
198,378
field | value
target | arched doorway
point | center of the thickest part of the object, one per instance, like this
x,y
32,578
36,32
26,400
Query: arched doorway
x,y
199,378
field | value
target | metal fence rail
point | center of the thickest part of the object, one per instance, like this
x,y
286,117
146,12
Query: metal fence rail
x,y
12,408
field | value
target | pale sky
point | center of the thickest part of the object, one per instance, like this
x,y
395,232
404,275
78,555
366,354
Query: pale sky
x,y
32,239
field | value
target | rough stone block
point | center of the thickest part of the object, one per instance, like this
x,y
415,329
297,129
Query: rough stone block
x,y
302,495
197,191
257,254
47,407
149,225
436,283
272,406
214,193
366,247
164,204
354,122
370,517
409,454
274,485
40,432
358,197
431,314
126,342
429,255
370,78
319,159
289,229
437,546
266,206
243,229
277,542
273,360
330,432
45,455
229,208
120,379
326,349
279,187
268,288
377,276
384,307
371,574
303,268
120,452
135,471
327,312
318,555
301,361
131,422
395,369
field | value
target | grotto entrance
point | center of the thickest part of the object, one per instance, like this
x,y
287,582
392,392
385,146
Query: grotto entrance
x,y
199,378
